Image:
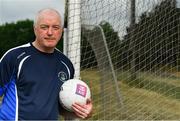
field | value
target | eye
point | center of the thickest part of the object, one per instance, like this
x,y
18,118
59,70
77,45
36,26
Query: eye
x,y
56,27
44,27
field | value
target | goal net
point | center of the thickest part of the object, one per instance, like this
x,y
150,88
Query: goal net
x,y
128,52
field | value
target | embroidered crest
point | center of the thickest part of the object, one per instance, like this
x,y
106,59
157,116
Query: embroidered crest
x,y
62,76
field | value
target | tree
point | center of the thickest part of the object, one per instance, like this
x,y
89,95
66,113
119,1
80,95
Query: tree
x,y
15,34
155,36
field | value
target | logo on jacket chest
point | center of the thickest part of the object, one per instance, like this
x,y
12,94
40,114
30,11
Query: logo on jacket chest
x,y
62,76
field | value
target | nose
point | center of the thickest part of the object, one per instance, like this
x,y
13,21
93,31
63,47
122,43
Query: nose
x,y
49,32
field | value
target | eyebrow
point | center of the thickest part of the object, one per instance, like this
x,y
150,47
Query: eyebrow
x,y
48,25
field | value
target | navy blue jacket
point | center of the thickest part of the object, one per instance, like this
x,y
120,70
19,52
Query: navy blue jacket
x,y
30,82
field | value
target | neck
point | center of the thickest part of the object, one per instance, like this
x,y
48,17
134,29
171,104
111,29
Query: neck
x,y
42,48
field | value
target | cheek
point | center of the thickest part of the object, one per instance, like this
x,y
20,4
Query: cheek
x,y
40,35
59,35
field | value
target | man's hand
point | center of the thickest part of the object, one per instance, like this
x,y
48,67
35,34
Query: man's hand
x,y
83,111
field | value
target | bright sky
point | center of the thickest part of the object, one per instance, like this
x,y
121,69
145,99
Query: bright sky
x,y
14,10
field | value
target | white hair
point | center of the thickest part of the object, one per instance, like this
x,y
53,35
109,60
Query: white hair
x,y
49,10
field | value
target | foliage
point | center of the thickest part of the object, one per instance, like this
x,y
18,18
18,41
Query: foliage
x,y
14,34
155,38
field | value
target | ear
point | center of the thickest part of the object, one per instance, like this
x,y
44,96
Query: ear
x,y
34,27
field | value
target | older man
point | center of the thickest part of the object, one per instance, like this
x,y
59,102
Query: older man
x,y
30,75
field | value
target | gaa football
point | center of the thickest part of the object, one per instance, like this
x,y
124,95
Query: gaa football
x,y
73,90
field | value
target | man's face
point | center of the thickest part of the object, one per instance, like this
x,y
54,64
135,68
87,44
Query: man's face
x,y
48,30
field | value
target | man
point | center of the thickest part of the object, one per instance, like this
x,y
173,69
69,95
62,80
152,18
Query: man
x,y
31,75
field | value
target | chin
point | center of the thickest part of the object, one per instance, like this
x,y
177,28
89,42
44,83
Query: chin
x,y
51,44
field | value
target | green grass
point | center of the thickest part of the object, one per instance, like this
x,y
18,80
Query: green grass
x,y
142,104
168,86
148,97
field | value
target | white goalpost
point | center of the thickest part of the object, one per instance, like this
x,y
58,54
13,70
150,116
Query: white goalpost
x,y
73,41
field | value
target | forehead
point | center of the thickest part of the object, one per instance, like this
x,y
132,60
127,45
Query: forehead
x,y
49,17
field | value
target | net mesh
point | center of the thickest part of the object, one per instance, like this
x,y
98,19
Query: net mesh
x,y
130,58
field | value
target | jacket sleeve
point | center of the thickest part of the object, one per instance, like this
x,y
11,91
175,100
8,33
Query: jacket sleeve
x,y
6,70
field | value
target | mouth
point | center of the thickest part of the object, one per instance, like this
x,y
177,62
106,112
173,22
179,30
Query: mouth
x,y
50,38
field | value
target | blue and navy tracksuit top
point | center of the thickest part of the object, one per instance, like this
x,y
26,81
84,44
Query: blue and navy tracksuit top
x,y
30,81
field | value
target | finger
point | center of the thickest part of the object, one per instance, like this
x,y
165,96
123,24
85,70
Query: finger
x,y
79,112
80,108
85,110
79,115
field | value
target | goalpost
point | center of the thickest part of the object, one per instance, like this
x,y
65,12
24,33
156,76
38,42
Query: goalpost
x,y
74,35
128,52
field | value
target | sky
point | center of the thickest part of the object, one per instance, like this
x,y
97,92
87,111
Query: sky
x,y
14,10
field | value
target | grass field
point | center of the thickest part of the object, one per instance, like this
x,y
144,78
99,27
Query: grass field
x,y
142,104
148,97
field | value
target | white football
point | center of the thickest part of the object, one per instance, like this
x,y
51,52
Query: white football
x,y
73,90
